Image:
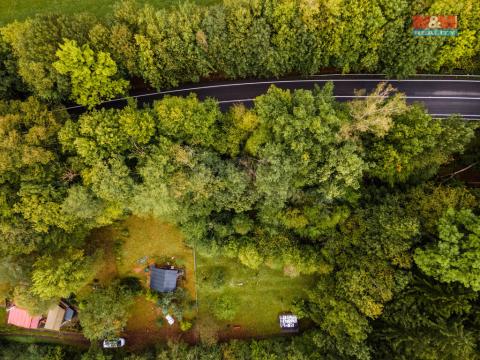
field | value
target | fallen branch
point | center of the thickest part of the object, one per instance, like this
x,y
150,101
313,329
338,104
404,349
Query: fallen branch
x,y
450,176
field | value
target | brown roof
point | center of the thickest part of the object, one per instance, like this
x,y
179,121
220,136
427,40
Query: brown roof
x,y
55,318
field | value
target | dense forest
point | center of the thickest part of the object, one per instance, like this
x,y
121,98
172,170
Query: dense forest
x,y
363,195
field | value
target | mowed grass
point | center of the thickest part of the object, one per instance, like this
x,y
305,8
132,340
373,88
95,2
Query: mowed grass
x,y
11,10
261,295
131,245
128,248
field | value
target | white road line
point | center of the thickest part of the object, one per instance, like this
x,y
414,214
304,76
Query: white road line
x,y
233,101
411,97
368,96
439,75
271,82
281,82
476,116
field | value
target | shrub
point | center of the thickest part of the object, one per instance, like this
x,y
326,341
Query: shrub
x,y
225,307
131,283
152,296
250,257
216,278
185,325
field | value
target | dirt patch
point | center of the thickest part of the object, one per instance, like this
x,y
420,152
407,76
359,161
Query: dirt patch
x,y
142,329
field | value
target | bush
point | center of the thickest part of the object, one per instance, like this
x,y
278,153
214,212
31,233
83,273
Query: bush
x,y
185,325
152,296
216,276
160,321
132,283
250,257
225,307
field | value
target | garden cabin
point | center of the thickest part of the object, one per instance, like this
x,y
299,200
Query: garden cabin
x,y
288,323
163,280
55,317
22,318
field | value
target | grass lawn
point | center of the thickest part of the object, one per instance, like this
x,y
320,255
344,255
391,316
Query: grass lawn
x,y
3,317
136,242
20,9
128,249
261,296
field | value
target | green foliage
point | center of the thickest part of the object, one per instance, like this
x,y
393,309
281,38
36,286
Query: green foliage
x,y
300,147
236,125
25,299
10,82
95,353
91,74
455,256
416,146
13,351
339,320
250,257
59,275
168,53
30,171
187,119
224,307
152,296
430,202
99,135
428,321
185,325
174,303
104,313
35,43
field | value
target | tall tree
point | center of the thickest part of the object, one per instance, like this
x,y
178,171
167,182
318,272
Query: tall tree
x,y
428,321
91,74
416,146
104,313
455,256
35,43
60,275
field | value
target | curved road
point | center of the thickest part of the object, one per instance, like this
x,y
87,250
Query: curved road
x,y
442,95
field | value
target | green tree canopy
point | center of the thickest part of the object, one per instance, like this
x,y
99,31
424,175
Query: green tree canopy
x,y
455,256
416,146
104,313
91,74
35,43
62,274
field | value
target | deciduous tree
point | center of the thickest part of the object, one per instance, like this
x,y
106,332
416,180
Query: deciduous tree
x,y
62,274
455,256
91,74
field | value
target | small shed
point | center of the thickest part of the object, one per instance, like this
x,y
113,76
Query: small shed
x,y
170,319
22,318
163,280
55,318
288,322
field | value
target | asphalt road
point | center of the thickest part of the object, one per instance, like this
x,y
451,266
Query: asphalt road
x,y
442,95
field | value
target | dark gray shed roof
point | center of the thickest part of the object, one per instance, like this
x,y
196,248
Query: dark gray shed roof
x,y
68,314
163,280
